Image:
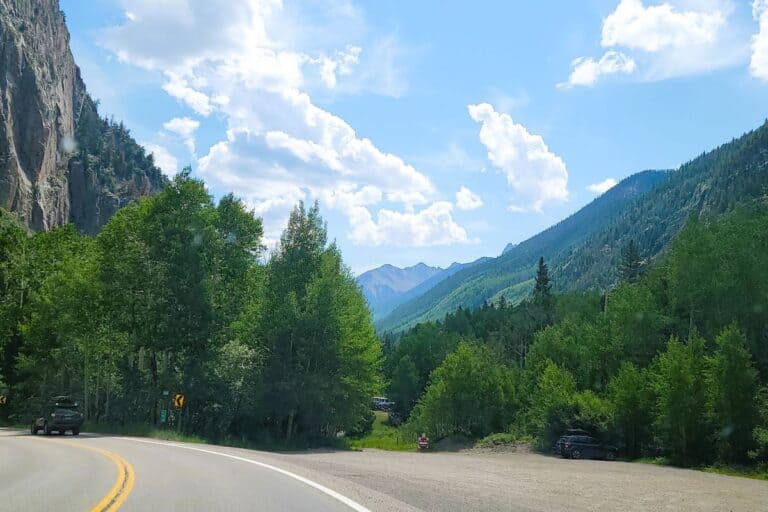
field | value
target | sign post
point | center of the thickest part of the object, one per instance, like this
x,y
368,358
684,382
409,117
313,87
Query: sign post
x,y
178,402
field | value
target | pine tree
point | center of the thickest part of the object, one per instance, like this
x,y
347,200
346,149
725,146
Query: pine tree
x,y
630,262
543,287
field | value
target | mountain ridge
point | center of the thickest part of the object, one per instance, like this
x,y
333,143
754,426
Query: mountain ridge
x,y
384,284
651,215
514,267
382,308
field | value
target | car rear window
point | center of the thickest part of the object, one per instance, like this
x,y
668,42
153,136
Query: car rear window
x,y
65,406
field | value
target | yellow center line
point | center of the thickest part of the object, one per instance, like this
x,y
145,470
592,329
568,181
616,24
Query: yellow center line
x,y
123,483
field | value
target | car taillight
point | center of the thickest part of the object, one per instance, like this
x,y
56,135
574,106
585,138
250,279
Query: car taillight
x,y
53,415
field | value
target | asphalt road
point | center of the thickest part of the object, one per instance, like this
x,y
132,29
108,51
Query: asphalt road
x,y
90,473
101,473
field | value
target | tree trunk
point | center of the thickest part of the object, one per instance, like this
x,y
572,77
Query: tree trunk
x,y
289,428
106,404
153,371
690,323
85,385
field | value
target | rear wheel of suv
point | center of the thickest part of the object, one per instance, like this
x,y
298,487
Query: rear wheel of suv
x,y
75,431
610,455
62,432
576,454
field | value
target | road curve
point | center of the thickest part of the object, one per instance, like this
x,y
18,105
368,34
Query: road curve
x,y
84,474
77,473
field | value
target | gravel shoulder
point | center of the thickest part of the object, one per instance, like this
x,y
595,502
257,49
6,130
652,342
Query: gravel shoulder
x,y
524,482
471,480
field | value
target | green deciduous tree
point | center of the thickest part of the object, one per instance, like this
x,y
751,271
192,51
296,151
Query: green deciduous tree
x,y
631,397
731,395
469,393
322,353
681,401
552,407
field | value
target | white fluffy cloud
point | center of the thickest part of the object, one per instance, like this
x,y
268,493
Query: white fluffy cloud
x,y
163,159
185,128
758,64
179,89
536,174
467,200
665,39
603,186
433,225
587,70
225,57
655,27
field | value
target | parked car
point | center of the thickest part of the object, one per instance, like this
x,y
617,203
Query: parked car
x,y
557,449
382,403
60,415
587,447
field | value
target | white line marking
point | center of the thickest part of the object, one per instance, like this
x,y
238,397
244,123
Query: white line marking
x,y
330,492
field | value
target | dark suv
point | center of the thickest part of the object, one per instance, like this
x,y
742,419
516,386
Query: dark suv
x,y
558,448
60,415
586,447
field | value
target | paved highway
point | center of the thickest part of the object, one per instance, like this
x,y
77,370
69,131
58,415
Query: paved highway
x,y
96,473
104,474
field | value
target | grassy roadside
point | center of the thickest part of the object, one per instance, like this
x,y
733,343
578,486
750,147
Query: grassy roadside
x,y
755,473
744,472
140,430
143,431
382,436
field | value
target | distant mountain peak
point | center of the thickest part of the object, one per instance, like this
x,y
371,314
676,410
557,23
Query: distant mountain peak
x,y
510,273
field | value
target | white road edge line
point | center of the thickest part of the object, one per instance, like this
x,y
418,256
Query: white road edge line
x,y
330,492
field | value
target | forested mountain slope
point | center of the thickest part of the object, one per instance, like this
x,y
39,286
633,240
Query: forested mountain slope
x,y
710,185
59,161
513,270
649,207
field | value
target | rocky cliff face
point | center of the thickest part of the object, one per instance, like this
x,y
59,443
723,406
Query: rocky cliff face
x,y
59,161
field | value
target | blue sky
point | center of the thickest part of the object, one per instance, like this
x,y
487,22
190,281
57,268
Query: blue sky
x,y
429,131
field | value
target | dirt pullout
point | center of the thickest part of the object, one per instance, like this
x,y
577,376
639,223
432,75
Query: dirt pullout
x,y
525,482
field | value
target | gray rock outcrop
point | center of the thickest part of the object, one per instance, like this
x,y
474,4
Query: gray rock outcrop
x,y
59,161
